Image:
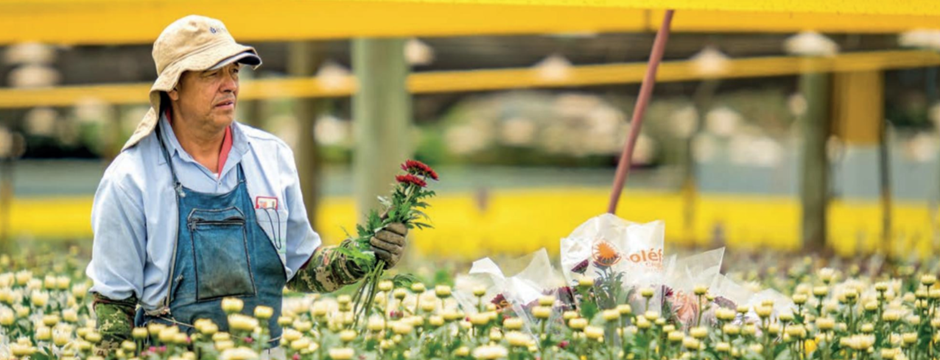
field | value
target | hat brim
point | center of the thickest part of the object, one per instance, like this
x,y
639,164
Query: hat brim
x,y
247,58
205,59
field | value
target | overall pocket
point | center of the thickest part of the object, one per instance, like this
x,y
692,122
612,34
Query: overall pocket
x,y
220,253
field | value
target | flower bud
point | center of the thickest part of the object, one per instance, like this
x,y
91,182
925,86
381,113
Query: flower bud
x,y
764,311
418,288
386,285
224,345
495,335
221,336
773,329
698,332
43,333
577,324
264,312
624,309
586,282
442,291
319,309
517,339
376,324
300,344
731,329
675,336
7,317
402,328
610,315
542,312
400,294
700,290
513,324
593,332
232,305
479,291
140,333
347,336
39,299
799,299
547,300
890,316
480,319
725,314
60,338
909,338
342,353
93,337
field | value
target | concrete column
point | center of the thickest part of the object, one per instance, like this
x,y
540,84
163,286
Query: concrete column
x,y
304,60
381,118
814,184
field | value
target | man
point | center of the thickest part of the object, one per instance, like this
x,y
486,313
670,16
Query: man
x,y
198,207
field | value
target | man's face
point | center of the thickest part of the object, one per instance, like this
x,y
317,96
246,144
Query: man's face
x,y
208,98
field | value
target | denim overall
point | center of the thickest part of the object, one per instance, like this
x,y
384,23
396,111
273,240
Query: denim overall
x,y
221,251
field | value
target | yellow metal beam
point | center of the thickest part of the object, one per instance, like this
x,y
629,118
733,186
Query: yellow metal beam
x,y
875,7
140,21
487,80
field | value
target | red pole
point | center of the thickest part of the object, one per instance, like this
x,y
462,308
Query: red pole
x,y
646,91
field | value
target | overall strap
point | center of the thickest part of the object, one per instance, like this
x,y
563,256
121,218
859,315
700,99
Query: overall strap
x,y
166,155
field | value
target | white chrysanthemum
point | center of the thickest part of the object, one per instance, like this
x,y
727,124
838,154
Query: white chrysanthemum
x,y
490,352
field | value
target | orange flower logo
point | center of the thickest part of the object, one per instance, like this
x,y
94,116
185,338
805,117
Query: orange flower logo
x,y
605,254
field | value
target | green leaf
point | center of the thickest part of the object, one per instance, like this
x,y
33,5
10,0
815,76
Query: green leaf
x,y
419,214
404,280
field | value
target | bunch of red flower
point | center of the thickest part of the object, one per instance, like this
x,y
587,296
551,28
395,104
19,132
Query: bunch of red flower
x,y
416,167
416,171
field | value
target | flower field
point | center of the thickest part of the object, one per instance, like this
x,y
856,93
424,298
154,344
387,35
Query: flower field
x,y
851,310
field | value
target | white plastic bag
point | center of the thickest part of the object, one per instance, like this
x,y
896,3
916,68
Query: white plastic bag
x,y
620,256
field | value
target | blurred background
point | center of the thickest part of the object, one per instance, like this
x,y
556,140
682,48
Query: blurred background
x,y
774,131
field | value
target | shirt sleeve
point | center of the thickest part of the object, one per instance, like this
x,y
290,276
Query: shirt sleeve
x,y
302,241
119,249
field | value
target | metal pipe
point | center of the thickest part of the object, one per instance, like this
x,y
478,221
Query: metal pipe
x,y
646,91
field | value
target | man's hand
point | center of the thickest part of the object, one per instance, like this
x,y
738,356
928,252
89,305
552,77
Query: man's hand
x,y
389,243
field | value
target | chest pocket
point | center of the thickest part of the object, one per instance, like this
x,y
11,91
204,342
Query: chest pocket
x,y
220,252
274,224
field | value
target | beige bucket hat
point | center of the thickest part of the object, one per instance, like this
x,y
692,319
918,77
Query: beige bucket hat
x,y
193,43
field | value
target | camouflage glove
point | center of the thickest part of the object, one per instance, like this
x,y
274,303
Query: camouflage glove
x,y
115,321
319,274
389,244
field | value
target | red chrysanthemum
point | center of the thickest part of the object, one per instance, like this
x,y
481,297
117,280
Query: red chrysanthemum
x,y
420,168
410,179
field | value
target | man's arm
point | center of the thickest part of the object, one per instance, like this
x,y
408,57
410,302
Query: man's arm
x,y
320,274
118,257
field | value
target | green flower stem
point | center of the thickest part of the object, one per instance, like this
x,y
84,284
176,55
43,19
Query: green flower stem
x,y
701,309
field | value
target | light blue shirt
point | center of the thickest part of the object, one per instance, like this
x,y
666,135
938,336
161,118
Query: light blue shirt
x,y
135,216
